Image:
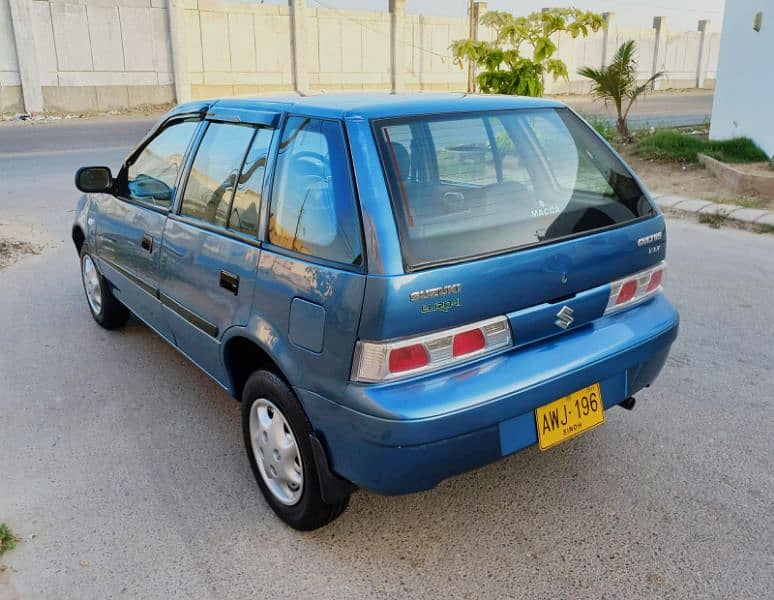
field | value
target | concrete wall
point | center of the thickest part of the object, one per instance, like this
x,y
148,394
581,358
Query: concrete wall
x,y
97,55
10,82
744,95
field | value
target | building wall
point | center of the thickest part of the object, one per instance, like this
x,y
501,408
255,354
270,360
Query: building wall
x,y
98,55
744,95
10,83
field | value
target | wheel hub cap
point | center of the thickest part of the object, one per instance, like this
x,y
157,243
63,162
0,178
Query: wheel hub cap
x,y
276,452
91,284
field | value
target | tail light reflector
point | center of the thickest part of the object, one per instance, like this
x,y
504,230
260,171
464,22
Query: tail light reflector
x,y
385,361
468,342
408,358
635,288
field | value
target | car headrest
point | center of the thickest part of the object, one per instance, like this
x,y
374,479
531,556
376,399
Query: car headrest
x,y
402,158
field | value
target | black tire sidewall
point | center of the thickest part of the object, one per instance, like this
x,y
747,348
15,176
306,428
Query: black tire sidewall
x,y
310,511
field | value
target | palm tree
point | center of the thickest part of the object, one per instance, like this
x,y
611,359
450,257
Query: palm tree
x,y
617,83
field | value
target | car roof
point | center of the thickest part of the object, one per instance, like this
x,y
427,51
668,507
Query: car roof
x,y
384,105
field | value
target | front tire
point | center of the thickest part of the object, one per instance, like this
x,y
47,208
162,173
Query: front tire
x,y
106,309
276,434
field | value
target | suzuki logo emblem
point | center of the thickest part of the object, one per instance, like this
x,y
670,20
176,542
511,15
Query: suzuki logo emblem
x,y
564,317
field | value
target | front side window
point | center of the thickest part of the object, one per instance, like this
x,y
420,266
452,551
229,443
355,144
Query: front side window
x,y
152,174
313,207
472,185
214,172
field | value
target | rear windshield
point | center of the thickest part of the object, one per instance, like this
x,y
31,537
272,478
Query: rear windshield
x,y
473,185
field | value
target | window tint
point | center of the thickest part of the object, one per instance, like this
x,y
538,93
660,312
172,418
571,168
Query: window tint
x,y
213,176
247,199
152,175
467,186
313,204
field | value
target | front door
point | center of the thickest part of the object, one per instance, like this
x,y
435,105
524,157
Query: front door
x,y
210,252
131,223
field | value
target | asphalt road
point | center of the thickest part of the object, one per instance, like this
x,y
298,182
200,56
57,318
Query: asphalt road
x,y
122,467
654,110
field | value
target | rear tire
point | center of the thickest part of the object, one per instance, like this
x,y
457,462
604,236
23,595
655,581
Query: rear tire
x,y
276,434
106,309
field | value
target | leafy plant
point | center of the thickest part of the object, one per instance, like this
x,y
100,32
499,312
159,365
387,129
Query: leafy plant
x,y
7,539
617,83
504,69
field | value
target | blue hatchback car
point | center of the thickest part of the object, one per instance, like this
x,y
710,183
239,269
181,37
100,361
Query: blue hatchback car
x,y
397,288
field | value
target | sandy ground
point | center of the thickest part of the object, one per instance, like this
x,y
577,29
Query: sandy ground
x,y
688,180
19,238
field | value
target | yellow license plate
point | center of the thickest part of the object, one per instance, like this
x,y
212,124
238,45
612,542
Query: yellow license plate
x,y
567,417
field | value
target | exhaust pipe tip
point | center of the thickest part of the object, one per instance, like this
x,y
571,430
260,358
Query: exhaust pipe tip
x,y
629,403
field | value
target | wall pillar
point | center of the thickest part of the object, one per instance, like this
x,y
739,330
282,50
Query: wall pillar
x,y
176,15
608,39
704,26
659,50
27,58
479,8
298,46
397,44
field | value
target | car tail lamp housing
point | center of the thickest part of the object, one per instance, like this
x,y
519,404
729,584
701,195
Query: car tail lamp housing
x,y
634,289
396,359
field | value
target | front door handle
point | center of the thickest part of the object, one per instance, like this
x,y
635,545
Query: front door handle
x,y
147,242
229,281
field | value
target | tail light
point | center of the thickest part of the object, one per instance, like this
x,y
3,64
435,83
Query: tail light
x,y
635,288
384,361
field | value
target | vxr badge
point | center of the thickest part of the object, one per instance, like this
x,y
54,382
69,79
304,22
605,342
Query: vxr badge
x,y
564,317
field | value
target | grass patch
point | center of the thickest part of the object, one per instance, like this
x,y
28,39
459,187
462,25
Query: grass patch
x,y
604,128
676,146
743,202
765,228
714,220
8,540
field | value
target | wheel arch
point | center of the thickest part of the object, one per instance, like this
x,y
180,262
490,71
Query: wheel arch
x,y
242,355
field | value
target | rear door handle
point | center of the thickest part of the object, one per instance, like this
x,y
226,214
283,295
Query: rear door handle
x,y
147,242
229,281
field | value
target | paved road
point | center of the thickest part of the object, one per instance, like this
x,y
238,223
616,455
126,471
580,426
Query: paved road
x,y
126,464
657,110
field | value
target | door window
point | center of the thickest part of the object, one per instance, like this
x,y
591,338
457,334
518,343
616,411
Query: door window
x,y
313,203
247,200
213,176
152,174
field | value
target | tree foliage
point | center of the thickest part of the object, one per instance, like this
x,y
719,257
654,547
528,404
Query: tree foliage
x,y
523,52
617,83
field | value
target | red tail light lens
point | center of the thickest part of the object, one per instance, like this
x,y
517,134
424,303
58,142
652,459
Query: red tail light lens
x,y
628,291
467,342
655,280
408,358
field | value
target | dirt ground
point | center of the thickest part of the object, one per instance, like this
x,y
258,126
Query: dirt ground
x,y
691,180
18,239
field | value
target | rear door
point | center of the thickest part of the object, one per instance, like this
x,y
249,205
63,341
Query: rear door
x,y
210,252
311,279
131,223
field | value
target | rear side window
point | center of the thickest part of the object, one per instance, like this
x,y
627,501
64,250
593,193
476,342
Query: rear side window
x,y
313,208
473,185
247,199
213,177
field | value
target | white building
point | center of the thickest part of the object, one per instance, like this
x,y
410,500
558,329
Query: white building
x,y
744,92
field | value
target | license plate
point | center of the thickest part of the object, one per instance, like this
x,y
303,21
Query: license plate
x,y
569,416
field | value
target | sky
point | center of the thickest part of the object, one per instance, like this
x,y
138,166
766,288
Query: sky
x,y
682,15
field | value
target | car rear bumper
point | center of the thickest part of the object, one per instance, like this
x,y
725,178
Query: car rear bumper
x,y
407,436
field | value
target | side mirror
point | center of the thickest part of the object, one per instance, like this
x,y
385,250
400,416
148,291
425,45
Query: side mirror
x,y
94,179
